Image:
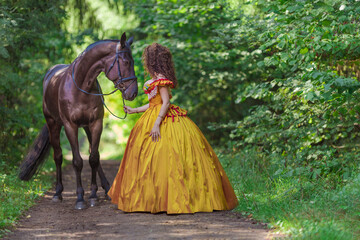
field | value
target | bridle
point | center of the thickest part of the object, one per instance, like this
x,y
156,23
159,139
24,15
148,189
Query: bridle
x,y
120,80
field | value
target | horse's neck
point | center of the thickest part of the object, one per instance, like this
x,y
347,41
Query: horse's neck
x,y
88,68
89,73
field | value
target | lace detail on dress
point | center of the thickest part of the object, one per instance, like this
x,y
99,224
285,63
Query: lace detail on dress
x,y
149,90
151,86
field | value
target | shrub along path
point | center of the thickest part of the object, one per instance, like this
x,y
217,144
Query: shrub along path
x,y
48,220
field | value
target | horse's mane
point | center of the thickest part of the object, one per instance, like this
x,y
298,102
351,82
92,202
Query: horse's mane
x,y
99,42
91,46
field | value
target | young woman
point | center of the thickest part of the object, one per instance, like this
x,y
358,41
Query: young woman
x,y
168,165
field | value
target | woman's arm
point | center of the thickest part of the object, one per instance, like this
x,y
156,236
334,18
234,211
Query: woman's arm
x,y
155,132
131,110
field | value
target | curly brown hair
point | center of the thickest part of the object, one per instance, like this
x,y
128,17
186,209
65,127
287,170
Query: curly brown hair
x,y
157,59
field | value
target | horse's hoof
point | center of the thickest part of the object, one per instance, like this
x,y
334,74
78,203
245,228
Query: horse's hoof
x,y
107,197
93,202
80,205
57,198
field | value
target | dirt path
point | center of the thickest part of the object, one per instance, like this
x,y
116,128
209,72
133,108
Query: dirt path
x,y
48,220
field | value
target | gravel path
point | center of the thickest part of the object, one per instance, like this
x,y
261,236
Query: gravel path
x,y
48,220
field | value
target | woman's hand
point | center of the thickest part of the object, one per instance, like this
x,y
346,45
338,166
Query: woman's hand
x,y
155,133
129,110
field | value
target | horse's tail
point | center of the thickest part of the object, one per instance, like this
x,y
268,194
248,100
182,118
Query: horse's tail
x,y
36,155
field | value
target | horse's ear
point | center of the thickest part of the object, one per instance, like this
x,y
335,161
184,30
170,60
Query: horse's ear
x,y
123,40
130,41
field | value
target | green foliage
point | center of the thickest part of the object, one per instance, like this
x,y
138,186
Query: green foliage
x,y
17,196
27,46
300,206
207,64
264,72
308,112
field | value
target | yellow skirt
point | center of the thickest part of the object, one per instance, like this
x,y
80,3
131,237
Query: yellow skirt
x,y
178,174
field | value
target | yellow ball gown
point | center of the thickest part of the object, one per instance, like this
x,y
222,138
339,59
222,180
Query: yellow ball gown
x,y
178,174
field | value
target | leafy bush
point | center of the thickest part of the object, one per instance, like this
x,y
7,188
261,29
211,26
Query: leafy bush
x,y
27,45
300,206
309,107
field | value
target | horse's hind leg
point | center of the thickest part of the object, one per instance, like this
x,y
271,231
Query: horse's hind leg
x,y
72,135
54,132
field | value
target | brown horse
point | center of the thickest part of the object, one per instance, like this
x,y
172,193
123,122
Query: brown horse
x,y
71,99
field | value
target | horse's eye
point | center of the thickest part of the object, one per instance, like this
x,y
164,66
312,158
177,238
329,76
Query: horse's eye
x,y
127,63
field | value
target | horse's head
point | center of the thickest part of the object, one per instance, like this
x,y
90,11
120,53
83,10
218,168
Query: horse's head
x,y
120,69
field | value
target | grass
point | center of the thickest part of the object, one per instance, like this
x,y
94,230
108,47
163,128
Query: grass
x,y
295,205
16,196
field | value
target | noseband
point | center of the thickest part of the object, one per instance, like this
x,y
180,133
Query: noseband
x,y
117,83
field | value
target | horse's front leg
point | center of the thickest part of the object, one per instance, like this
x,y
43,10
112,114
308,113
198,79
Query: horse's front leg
x,y
71,131
93,133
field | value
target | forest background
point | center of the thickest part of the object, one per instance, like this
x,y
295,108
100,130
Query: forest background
x,y
274,86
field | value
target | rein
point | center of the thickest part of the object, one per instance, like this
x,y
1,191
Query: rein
x,y
117,83
103,102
